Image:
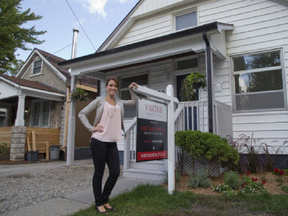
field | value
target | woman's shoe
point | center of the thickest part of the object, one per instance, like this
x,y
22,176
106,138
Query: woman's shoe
x,y
110,209
96,207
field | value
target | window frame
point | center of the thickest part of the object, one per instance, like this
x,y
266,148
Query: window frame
x,y
33,67
183,12
259,70
41,113
120,89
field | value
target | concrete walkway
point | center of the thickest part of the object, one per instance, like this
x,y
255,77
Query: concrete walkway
x,y
68,204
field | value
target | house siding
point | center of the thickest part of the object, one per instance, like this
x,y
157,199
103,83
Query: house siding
x,y
258,26
47,76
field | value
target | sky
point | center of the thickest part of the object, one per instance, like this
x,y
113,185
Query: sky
x,y
98,18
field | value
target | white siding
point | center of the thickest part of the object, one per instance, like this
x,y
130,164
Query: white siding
x,y
258,25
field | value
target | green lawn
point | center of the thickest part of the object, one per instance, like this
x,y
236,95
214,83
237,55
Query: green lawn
x,y
147,200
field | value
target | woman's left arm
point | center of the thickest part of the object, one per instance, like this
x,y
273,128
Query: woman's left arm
x,y
133,100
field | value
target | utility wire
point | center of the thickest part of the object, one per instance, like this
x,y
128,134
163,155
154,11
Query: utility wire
x,y
62,49
80,25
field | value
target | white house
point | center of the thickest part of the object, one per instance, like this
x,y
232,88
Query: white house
x,y
241,46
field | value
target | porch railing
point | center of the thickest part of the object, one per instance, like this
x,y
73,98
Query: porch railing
x,y
188,115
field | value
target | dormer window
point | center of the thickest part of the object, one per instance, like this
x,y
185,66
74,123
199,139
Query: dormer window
x,y
37,66
186,20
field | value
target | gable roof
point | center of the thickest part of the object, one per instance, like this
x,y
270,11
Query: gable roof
x,y
27,83
128,22
61,71
50,60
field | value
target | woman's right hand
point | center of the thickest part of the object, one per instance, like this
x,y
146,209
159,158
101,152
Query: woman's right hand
x,y
98,128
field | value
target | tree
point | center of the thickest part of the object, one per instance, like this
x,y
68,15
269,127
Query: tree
x,y
13,36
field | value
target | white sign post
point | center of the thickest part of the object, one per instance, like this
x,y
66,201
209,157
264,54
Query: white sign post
x,y
169,99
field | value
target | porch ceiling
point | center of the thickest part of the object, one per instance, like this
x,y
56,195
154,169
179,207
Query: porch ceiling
x,y
185,41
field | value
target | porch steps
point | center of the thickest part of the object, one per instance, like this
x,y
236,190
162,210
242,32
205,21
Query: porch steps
x,y
144,174
152,170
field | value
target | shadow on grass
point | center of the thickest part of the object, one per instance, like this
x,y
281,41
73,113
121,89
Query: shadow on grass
x,y
149,200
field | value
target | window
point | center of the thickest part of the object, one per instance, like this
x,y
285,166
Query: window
x,y
40,114
258,81
130,111
187,20
37,66
186,64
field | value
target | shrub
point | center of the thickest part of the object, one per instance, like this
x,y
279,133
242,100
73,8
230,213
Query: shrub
x,y
4,148
199,180
223,188
208,145
232,179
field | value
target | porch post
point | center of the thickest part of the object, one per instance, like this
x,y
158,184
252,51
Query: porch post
x,y
20,111
71,127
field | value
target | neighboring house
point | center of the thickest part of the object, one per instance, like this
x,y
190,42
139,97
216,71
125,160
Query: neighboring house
x,y
243,45
36,98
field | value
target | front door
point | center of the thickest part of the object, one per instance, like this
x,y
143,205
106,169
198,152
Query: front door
x,y
188,113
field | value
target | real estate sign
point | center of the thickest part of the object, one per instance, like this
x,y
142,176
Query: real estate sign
x,y
151,130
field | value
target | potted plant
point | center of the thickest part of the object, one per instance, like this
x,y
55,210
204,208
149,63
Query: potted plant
x,y
79,95
192,82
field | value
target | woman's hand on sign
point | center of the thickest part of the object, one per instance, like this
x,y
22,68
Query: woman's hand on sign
x,y
133,85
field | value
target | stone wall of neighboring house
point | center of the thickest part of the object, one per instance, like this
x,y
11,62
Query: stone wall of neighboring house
x,y
48,77
55,114
62,126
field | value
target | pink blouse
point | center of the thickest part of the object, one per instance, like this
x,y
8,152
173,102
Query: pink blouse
x,y
111,122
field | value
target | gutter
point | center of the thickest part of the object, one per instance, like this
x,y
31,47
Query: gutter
x,y
209,80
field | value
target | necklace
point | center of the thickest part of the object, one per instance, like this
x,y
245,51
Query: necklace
x,y
111,111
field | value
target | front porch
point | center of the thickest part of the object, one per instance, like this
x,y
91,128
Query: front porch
x,y
188,115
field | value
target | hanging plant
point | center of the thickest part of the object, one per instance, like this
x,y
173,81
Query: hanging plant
x,y
79,95
192,82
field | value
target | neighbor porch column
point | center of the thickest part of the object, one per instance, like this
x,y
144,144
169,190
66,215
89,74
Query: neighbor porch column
x,y
20,111
71,127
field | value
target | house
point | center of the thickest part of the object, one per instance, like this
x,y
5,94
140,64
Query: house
x,y
241,46
36,99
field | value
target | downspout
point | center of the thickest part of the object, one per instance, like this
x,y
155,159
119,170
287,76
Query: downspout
x,y
209,82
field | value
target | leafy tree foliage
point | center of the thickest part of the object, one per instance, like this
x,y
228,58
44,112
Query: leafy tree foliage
x,y
13,36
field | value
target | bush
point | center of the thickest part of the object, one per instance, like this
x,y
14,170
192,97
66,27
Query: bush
x,y
4,148
199,180
223,188
209,145
232,179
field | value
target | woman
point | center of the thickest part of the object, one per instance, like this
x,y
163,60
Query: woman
x,y
106,131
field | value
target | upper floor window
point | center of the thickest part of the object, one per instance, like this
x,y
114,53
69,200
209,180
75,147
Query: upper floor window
x,y
130,111
37,66
186,20
258,81
40,113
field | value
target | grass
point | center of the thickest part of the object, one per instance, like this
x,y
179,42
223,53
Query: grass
x,y
149,200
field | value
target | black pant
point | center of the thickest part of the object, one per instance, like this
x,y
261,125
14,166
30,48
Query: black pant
x,y
104,152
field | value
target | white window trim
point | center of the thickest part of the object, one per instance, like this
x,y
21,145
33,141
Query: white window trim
x,y
41,71
40,114
282,67
182,12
